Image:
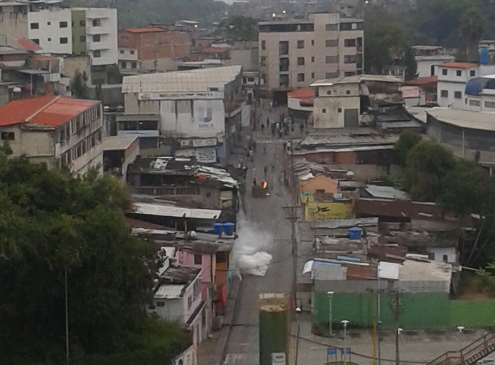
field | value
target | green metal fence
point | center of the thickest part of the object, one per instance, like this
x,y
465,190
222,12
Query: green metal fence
x,y
421,310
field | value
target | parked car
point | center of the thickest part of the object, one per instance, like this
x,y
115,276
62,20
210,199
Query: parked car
x,y
486,362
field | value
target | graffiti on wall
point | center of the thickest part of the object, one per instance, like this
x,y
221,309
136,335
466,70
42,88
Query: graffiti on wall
x,y
319,211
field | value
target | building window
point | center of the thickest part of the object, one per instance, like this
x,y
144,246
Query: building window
x,y
96,38
134,65
331,59
444,93
8,136
459,73
350,59
339,110
474,103
49,39
313,59
331,43
82,23
198,260
263,44
123,64
96,54
131,51
48,23
350,73
312,75
457,95
160,304
472,73
64,40
300,61
349,43
284,65
300,44
444,71
96,22
348,92
324,111
37,41
63,24
445,258
121,51
284,80
331,27
312,42
329,92
283,47
300,77
82,38
35,25
490,104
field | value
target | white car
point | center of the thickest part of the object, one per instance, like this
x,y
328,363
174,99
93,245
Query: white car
x,y
486,362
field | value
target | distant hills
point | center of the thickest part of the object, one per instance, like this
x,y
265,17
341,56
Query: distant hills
x,y
138,13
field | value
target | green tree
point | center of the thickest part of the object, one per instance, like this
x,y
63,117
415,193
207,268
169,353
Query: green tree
x,y
407,141
485,278
52,223
472,27
410,63
78,85
427,164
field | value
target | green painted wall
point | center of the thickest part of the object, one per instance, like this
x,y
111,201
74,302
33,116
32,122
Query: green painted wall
x,y
421,310
78,32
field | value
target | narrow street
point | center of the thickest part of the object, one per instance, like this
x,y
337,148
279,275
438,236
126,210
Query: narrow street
x,y
267,215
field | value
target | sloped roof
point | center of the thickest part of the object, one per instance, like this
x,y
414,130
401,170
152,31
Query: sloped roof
x,y
302,94
46,110
28,44
182,81
462,65
422,81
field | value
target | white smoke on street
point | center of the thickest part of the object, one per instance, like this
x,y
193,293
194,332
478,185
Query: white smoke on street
x,y
249,253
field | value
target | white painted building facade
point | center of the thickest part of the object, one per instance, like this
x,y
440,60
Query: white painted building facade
x,y
452,79
51,29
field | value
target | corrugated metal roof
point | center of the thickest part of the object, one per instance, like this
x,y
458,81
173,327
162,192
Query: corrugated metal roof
x,y
357,79
169,291
182,81
465,118
385,192
46,110
172,211
461,65
328,271
117,143
28,44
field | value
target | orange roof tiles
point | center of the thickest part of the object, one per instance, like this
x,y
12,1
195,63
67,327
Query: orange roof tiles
x,y
305,94
28,44
47,110
422,81
145,30
463,65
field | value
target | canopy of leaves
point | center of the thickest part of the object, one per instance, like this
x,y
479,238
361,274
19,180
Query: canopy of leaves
x,y
52,223
239,28
407,141
427,163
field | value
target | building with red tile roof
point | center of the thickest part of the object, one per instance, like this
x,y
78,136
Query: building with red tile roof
x,y
56,130
460,65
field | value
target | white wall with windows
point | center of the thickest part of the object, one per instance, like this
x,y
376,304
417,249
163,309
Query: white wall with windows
x,y
51,29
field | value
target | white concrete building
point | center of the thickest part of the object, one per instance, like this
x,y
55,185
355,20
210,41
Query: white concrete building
x,y
296,52
51,28
128,61
452,79
480,94
427,57
178,298
101,35
55,130
204,104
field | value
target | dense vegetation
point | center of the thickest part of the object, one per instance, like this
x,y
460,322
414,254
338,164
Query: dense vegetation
x,y
139,13
433,173
53,225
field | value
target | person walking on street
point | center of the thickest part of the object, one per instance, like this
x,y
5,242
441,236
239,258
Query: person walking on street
x,y
262,128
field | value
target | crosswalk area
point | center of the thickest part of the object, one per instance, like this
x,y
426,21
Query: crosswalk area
x,y
276,140
241,358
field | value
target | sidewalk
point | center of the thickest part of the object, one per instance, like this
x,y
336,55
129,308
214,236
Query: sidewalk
x,y
212,350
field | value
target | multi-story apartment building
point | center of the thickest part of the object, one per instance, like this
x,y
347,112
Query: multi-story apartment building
x,y
55,130
296,52
452,80
61,30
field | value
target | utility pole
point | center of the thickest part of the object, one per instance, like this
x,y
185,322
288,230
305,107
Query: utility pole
x,y
66,317
292,214
395,307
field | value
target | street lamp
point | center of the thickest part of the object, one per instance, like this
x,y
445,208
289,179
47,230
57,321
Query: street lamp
x,y
330,329
397,359
460,329
298,314
344,323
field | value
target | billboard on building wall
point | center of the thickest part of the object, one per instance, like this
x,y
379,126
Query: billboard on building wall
x,y
319,211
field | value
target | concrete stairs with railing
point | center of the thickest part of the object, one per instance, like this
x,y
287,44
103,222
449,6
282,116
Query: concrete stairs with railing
x,y
470,354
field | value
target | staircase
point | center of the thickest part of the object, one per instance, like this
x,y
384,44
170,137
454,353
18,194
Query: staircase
x,y
470,354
